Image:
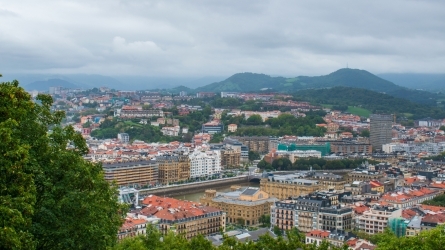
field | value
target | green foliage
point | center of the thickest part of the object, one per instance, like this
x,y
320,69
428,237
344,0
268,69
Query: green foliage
x,y
217,138
436,201
254,156
51,197
286,124
250,82
265,220
254,120
365,133
370,100
111,127
226,102
428,239
315,163
293,240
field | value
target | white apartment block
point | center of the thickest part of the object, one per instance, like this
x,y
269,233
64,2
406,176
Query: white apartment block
x,y
171,131
205,163
375,220
415,148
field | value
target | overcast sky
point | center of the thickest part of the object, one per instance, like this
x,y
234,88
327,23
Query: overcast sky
x,y
218,38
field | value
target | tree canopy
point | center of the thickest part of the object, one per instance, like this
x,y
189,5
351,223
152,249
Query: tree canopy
x,y
51,198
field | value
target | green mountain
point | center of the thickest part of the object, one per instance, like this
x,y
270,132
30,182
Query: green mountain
x,y
44,85
373,101
250,82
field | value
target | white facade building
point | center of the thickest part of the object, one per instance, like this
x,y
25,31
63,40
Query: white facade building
x,y
376,219
414,148
205,163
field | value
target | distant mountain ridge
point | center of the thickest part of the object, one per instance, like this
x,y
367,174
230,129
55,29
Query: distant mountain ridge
x,y
44,85
251,82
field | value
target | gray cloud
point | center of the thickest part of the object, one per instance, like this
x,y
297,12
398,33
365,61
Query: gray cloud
x,y
199,38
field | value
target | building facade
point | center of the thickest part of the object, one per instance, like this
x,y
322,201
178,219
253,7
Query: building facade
x,y
376,219
205,163
132,174
173,168
242,205
380,130
230,158
285,186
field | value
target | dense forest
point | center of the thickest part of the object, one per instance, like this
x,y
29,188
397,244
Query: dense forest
x,y
373,101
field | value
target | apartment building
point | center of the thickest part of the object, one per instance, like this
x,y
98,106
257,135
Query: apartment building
x,y
291,185
230,158
405,197
173,168
258,144
243,204
205,163
364,175
315,211
349,147
184,217
132,173
132,228
376,219
137,112
213,127
329,180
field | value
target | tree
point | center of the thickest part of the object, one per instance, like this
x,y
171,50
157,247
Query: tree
x,y
254,156
51,197
254,120
146,106
364,133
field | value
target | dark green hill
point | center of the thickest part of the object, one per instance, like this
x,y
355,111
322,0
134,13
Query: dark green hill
x,y
44,85
250,82
368,99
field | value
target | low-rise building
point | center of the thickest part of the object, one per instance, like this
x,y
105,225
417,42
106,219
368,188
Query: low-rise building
x,y
213,127
291,185
232,128
184,217
132,228
409,197
244,204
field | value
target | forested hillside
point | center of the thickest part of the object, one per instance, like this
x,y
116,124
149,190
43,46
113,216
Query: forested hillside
x,y
373,101
250,82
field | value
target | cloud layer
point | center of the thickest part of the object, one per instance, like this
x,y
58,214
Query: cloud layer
x,y
204,38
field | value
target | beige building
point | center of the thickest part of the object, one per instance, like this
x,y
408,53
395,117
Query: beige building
x,y
375,220
255,143
173,168
230,158
133,173
285,186
363,176
184,217
232,128
330,181
242,204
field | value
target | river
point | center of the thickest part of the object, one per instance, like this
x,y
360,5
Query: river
x,y
197,195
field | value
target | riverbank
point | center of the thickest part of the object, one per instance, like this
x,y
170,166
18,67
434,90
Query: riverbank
x,y
196,187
